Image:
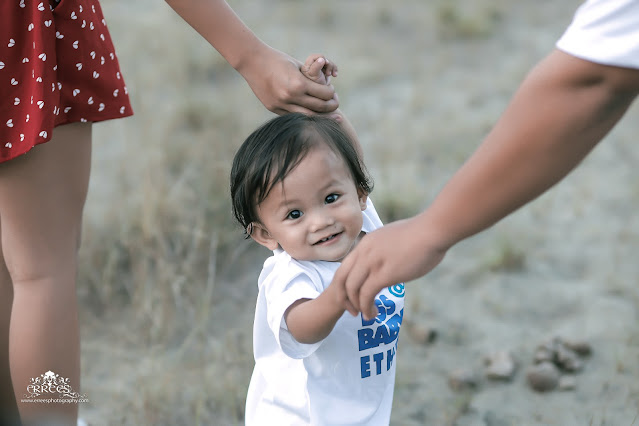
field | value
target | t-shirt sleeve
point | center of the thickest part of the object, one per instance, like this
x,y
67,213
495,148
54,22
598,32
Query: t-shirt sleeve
x,y
371,220
281,293
604,32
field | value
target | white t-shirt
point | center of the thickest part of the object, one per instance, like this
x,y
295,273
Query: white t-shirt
x,y
348,378
605,32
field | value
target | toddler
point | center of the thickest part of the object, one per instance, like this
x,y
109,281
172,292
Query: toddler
x,y
300,189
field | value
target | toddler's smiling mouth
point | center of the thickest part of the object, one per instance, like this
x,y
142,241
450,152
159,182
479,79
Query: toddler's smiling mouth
x,y
329,238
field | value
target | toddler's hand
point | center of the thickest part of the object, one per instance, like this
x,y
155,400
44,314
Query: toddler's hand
x,y
319,69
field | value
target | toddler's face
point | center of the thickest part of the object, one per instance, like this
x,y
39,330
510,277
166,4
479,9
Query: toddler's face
x,y
315,213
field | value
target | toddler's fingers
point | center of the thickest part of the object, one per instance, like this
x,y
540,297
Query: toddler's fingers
x,y
312,58
316,68
313,67
330,69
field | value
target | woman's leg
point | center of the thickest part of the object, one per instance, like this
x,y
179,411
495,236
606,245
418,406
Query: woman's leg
x,y
8,408
42,196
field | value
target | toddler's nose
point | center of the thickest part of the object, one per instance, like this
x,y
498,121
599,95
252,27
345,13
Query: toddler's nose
x,y
321,221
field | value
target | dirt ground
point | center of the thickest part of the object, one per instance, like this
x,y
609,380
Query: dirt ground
x,y
422,83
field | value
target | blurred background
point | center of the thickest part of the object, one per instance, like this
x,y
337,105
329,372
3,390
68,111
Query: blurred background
x,y
167,283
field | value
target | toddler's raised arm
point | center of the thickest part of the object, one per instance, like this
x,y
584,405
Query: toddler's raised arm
x,y
320,70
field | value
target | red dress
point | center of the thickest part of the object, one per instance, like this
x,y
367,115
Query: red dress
x,y
57,66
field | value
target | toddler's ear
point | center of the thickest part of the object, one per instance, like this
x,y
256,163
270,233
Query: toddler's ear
x,y
363,196
261,235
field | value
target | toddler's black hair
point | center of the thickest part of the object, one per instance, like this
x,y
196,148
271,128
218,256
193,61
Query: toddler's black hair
x,y
269,154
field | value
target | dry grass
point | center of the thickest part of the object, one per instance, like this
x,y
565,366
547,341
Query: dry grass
x,y
167,284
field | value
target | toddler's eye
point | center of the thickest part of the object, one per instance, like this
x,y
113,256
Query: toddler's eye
x,y
295,214
331,198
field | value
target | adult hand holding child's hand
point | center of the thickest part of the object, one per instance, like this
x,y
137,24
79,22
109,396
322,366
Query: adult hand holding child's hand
x,y
307,87
387,256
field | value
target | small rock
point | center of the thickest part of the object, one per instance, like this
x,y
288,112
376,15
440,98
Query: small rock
x,y
544,354
581,347
500,366
550,345
568,359
567,382
543,377
461,379
420,333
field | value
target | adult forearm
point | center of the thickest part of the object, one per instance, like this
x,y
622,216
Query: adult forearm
x,y
561,111
221,27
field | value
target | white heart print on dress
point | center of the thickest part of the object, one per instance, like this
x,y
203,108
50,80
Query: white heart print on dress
x,y
29,49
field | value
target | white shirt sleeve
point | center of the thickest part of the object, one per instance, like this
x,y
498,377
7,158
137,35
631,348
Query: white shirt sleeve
x,y
604,32
288,283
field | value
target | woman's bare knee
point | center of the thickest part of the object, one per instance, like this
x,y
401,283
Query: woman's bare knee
x,y
42,196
